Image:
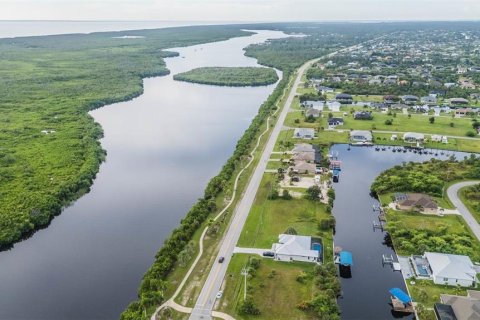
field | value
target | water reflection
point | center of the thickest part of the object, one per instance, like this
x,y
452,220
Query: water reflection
x,y
162,147
365,293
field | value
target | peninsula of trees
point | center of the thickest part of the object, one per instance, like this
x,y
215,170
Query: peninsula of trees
x,y
230,76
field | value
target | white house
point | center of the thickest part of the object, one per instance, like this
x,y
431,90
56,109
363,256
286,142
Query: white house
x,y
439,138
451,269
304,133
413,137
296,248
361,136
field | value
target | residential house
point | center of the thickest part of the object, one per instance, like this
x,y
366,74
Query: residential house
x,y
413,137
344,98
297,248
409,99
428,100
303,167
458,101
363,115
333,122
304,133
458,307
361,136
323,89
439,138
416,202
303,147
452,269
462,112
306,156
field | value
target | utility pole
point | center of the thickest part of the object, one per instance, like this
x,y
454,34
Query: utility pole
x,y
244,274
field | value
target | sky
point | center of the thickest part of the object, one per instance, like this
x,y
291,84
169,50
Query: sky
x,y
240,10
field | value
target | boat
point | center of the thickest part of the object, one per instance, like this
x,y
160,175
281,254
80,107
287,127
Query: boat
x,y
401,302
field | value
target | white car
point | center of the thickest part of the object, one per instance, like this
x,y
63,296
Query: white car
x,y
219,294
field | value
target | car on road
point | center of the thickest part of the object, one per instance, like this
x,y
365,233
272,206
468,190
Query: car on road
x,y
221,259
268,254
219,294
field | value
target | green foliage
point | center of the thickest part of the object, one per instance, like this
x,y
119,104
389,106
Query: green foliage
x,y
286,195
440,239
313,193
324,305
327,223
248,307
229,76
388,122
50,83
431,120
428,177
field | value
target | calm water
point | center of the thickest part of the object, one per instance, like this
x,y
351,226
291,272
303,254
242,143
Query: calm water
x,y
26,28
365,294
163,147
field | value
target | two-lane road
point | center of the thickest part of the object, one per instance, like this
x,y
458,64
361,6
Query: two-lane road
x,y
206,300
452,193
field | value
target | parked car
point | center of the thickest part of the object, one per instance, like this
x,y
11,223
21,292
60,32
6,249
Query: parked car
x,y
221,259
219,294
268,254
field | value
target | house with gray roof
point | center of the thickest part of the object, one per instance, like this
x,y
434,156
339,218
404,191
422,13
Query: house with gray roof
x,y
297,248
451,269
304,133
461,307
361,136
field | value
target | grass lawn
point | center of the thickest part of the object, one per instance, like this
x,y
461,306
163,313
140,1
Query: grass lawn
x,y
276,293
417,123
269,218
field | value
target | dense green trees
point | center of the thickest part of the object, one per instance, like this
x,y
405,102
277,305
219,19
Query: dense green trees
x,y
428,177
50,83
441,239
230,76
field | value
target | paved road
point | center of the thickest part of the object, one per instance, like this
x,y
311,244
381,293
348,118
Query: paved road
x,y
206,300
452,193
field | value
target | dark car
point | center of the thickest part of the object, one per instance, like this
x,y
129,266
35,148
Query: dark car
x,y
221,259
268,254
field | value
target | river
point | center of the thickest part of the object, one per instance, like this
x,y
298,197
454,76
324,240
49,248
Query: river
x,y
163,147
365,294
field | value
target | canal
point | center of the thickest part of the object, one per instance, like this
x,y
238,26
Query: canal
x,y
365,294
163,147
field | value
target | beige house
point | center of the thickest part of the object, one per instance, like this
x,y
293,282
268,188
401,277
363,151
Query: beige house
x,y
304,156
416,202
303,167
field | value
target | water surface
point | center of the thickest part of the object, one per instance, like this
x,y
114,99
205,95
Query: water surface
x,y
365,294
163,147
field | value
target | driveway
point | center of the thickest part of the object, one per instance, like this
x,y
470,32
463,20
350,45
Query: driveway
x,y
250,250
452,193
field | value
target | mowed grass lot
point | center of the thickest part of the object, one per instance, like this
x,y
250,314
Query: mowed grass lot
x,y
274,288
269,218
401,123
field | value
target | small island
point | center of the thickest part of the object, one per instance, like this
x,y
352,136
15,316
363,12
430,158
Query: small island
x,y
230,76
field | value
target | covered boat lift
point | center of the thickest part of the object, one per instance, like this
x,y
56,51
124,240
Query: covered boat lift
x,y
401,301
